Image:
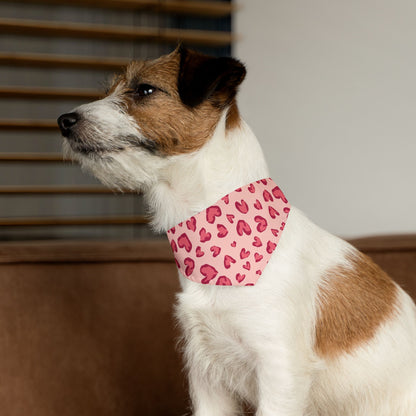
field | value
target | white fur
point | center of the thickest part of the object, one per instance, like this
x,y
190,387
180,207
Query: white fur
x,y
257,343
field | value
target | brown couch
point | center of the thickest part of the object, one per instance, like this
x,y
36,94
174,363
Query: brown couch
x,y
86,328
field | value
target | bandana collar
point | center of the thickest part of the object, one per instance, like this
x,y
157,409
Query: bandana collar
x,y
231,242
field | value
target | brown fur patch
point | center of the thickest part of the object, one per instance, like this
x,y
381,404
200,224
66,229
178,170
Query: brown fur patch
x,y
353,302
163,119
233,116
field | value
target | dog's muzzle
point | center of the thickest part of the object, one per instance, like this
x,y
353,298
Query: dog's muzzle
x,y
67,122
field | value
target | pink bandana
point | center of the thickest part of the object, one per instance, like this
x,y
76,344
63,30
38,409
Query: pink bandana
x,y
231,242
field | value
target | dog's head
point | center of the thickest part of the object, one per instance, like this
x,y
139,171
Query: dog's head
x,y
154,110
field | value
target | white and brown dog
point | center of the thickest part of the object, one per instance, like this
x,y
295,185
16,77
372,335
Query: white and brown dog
x,y
324,331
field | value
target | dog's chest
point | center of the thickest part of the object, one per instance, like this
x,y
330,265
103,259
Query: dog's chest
x,y
215,342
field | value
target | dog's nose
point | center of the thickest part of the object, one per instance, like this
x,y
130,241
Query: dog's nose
x,y
66,122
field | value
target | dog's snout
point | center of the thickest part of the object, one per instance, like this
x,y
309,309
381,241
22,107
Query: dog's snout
x,y
66,122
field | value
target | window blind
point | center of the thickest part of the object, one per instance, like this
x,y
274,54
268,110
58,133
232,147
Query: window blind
x,y
55,55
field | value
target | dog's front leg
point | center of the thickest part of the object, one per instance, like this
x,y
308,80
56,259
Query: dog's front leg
x,y
283,383
209,399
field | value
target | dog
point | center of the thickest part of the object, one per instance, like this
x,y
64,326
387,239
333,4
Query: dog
x,y
323,330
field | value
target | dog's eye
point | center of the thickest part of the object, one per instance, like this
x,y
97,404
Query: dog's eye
x,y
143,90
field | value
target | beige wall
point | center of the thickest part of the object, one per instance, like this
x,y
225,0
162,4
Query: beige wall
x,y
331,95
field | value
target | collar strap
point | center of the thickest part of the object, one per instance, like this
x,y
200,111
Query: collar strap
x,y
231,242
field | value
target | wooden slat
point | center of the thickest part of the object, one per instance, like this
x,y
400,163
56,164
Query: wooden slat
x,y
61,61
203,8
71,221
49,93
193,7
61,190
76,30
29,125
32,157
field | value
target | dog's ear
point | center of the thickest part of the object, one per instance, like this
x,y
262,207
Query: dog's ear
x,y
202,77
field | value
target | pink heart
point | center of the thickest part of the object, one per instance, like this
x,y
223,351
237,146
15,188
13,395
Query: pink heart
x,y
257,242
242,206
243,228
199,252
273,213
275,232
240,277
191,224
278,194
174,246
222,231
258,205
267,196
259,272
223,281
190,265
258,257
264,181
251,188
244,253
227,261
270,247
230,218
233,244
183,242
226,199
172,230
204,235
262,223
213,212
286,210
247,266
215,250
209,272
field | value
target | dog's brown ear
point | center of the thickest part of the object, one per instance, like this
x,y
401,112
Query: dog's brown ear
x,y
202,77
